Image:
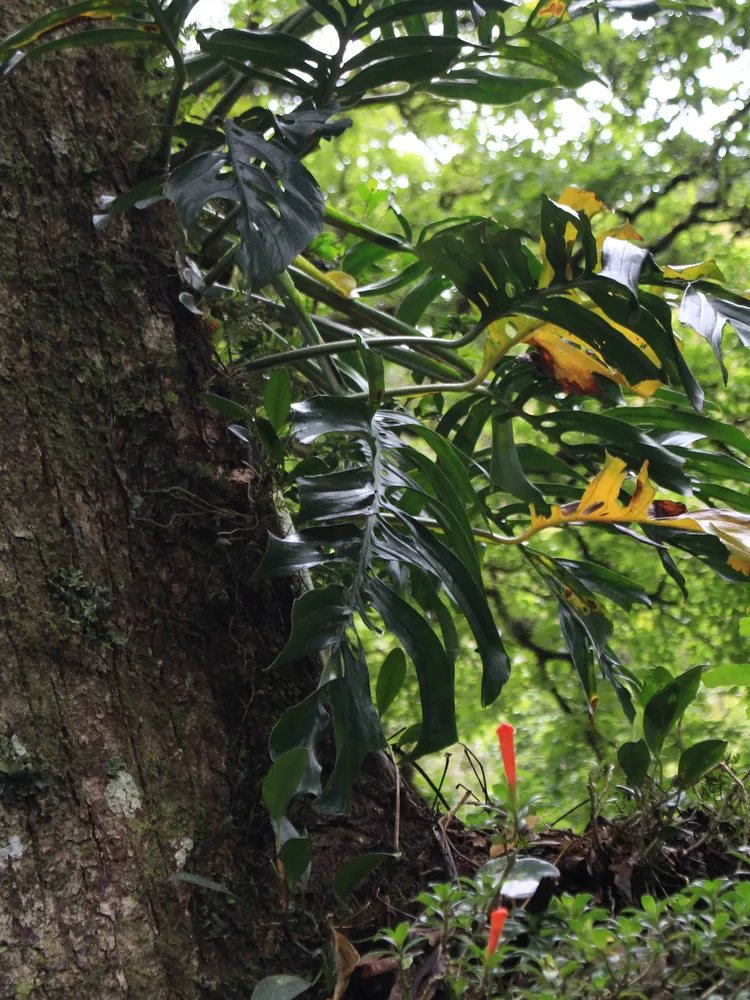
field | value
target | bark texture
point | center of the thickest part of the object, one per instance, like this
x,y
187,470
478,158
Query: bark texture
x,y
135,712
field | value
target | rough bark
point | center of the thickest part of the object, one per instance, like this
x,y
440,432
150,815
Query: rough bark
x,y
135,711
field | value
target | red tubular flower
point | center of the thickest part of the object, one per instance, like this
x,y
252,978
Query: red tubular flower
x,y
506,736
497,922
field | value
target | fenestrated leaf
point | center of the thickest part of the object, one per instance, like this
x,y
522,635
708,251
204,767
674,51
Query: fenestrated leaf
x,y
662,712
485,262
275,50
391,677
281,206
616,349
404,45
659,418
634,759
277,397
333,495
422,549
318,619
698,759
356,726
415,302
330,415
435,670
310,547
355,871
280,987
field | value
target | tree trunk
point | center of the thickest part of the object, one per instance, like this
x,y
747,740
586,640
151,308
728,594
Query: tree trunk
x,y
135,713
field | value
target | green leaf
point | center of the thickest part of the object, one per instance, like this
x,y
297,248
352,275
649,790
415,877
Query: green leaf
x,y
425,551
95,9
605,581
634,759
415,302
318,619
279,988
295,855
659,418
357,729
413,8
434,668
330,415
310,547
730,675
375,372
698,759
576,640
226,407
277,397
391,677
668,705
86,39
485,262
406,46
485,88
539,50
707,312
202,882
333,495
282,781
281,208
275,50
301,726
355,871
745,628
505,469
403,69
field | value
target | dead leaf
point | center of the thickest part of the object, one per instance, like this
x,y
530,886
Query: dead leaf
x,y
347,958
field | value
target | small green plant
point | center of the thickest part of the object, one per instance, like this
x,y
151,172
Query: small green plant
x,y
87,606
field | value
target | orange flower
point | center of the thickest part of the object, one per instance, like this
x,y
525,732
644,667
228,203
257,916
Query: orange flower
x,y
497,922
506,736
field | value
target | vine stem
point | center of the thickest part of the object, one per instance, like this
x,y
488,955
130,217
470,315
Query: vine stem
x,y
164,150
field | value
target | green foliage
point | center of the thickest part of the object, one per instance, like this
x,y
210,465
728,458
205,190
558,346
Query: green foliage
x,y
525,339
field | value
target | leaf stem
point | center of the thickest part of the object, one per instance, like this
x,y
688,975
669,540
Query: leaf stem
x,y
164,149
288,292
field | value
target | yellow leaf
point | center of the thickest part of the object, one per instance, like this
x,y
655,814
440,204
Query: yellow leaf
x,y
556,8
623,232
729,526
581,201
691,272
343,281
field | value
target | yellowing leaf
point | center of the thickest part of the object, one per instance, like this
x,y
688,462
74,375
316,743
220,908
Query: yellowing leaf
x,y
581,201
625,231
575,369
729,526
556,8
344,282
691,272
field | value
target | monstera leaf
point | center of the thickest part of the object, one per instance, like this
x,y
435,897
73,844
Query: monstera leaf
x,y
280,207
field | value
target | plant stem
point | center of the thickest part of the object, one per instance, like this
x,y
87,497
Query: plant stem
x,y
341,221
164,150
286,289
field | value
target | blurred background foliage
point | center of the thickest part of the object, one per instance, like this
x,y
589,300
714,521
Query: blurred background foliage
x,y
663,140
